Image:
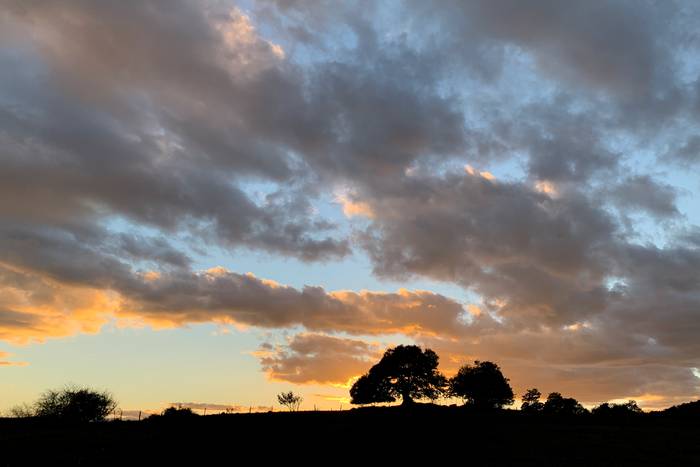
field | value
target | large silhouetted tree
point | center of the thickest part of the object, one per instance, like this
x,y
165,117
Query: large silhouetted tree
x,y
482,386
404,371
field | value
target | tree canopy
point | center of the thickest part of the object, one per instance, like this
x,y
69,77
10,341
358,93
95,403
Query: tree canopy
x,y
405,371
482,385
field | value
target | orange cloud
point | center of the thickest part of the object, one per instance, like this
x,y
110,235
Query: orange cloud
x,y
352,208
318,359
33,308
3,362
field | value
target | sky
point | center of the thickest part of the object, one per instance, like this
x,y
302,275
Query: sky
x,y
209,202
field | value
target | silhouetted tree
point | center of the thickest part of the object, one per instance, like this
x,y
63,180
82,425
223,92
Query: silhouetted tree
x,y
75,404
556,404
531,401
482,386
290,400
404,371
629,408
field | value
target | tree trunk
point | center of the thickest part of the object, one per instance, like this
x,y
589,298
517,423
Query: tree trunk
x,y
406,400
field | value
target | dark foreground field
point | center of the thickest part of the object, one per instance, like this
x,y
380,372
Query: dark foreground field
x,y
422,435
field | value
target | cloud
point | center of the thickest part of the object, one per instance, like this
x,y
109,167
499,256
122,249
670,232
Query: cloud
x,y
318,359
613,45
72,159
225,296
136,141
688,153
543,257
644,193
54,299
3,362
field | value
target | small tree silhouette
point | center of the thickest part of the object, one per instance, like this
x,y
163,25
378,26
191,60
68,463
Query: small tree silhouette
x,y
531,401
482,386
290,400
75,404
404,371
558,405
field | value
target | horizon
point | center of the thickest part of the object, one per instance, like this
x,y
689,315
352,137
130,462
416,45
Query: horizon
x,y
215,201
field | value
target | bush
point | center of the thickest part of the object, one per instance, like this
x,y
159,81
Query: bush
x,y
75,404
179,412
290,400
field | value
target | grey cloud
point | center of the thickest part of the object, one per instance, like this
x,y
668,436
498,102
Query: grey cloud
x,y
689,152
644,193
221,295
140,248
180,295
98,165
504,240
13,319
607,44
159,160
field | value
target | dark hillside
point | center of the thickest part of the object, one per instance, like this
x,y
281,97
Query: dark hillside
x,y
377,434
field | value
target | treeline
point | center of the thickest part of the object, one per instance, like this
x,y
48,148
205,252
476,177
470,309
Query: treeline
x,y
409,372
405,372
